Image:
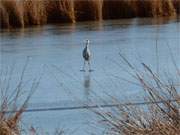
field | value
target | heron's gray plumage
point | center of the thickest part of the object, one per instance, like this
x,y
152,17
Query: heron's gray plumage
x,y
86,55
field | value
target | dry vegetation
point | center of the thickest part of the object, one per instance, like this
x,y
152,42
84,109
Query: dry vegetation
x,y
12,101
160,113
22,13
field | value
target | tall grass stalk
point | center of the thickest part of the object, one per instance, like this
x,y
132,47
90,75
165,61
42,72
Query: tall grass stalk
x,y
13,101
161,117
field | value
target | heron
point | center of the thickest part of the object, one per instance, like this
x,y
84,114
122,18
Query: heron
x,y
86,55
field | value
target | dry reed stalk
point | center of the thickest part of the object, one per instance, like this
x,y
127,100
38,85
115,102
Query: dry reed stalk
x,y
176,4
60,11
122,9
4,21
85,10
11,15
34,12
162,117
97,6
163,8
10,97
67,8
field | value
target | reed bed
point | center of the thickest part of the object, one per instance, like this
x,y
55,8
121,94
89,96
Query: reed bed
x,y
160,113
22,13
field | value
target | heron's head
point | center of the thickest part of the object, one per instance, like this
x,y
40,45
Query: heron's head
x,y
87,42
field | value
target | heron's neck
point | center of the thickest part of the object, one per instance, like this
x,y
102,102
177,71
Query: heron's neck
x,y
87,45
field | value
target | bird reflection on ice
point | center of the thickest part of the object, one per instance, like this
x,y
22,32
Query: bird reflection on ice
x,y
87,85
87,81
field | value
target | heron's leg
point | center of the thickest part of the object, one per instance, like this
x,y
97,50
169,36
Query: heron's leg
x,y
84,65
89,65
